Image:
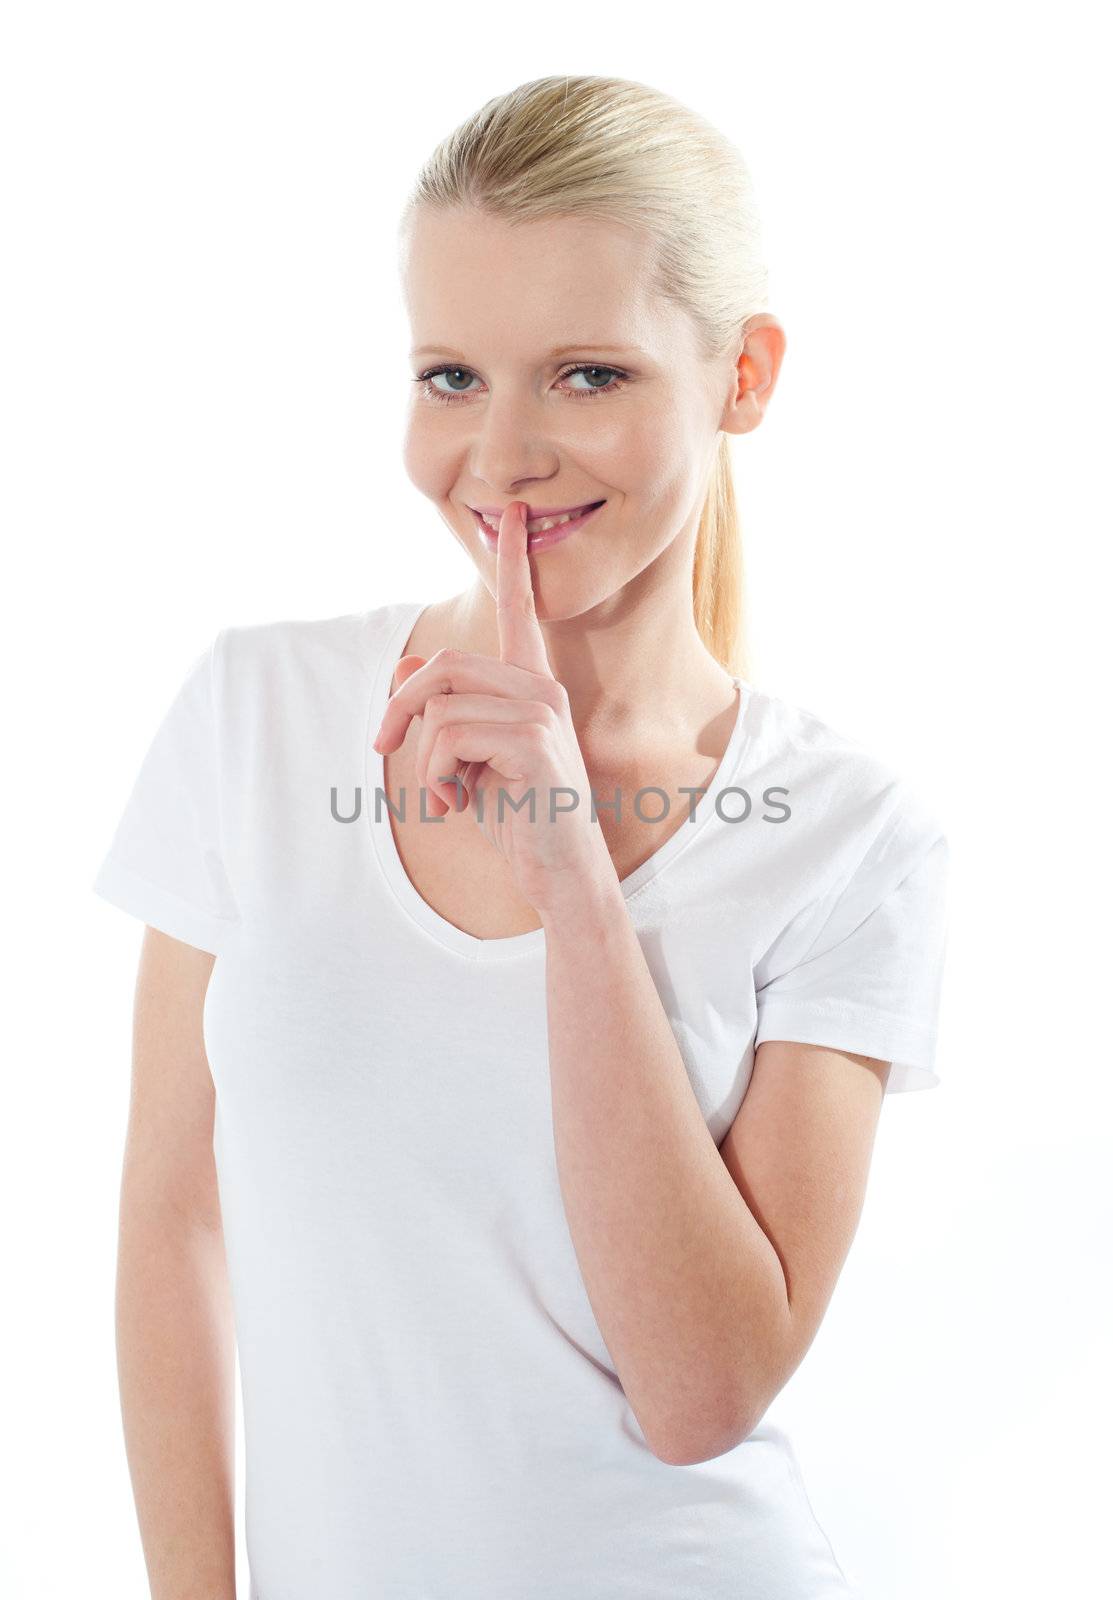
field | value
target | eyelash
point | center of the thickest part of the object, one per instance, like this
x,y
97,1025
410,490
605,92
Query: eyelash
x,y
424,379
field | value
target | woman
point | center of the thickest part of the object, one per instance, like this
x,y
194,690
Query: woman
x,y
541,1130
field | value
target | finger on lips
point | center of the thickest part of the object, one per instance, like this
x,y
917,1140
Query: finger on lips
x,y
521,642
522,659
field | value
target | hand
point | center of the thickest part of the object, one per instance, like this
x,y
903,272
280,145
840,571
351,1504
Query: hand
x,y
489,726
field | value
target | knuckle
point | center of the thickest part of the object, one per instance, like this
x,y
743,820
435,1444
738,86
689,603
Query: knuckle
x,y
446,659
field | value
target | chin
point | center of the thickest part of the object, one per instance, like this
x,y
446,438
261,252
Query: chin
x,y
560,597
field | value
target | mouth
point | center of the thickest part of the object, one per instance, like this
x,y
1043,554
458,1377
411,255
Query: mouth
x,y
541,530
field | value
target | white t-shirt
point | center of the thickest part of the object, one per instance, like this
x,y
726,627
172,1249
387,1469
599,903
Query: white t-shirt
x,y
430,1410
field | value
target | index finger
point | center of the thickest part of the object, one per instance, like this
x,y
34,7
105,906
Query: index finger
x,y
521,642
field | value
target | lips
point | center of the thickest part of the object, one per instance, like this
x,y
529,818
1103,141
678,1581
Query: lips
x,y
538,538
536,514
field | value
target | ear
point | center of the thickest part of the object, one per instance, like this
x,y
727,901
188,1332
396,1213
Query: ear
x,y
754,375
405,669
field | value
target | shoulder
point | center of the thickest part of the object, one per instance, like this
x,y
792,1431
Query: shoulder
x,y
295,650
781,726
285,640
847,797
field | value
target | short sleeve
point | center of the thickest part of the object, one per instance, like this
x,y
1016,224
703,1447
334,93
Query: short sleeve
x,y
165,864
862,969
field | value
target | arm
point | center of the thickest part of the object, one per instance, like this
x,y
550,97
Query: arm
x,y
174,1330
705,1304
708,1272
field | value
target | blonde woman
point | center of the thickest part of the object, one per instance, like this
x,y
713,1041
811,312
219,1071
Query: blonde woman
x,y
522,982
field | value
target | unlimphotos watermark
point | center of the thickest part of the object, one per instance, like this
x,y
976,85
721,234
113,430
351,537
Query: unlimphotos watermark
x,y
563,800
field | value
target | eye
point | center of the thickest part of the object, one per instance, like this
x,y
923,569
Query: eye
x,y
425,379
616,380
460,376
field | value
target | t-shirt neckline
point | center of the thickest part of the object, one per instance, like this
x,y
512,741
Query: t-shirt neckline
x,y
386,850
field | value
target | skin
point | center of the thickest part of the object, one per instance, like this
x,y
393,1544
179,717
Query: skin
x,y
613,601
175,1336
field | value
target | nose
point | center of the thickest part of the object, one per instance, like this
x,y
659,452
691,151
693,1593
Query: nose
x,y
512,447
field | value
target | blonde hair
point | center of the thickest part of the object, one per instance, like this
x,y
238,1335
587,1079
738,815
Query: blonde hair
x,y
620,150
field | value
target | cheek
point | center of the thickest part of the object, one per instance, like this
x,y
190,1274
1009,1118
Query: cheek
x,y
655,462
426,458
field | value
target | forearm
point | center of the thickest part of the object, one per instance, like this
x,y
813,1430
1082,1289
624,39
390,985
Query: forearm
x,y
687,1289
176,1360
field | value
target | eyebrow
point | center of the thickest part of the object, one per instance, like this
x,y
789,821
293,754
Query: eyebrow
x,y
563,349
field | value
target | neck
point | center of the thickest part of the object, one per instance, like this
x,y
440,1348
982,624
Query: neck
x,y
633,663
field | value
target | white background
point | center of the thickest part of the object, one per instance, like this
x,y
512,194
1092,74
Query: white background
x,y
204,377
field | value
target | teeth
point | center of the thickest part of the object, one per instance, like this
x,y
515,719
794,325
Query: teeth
x,y
540,524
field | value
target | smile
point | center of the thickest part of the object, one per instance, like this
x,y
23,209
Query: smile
x,y
542,531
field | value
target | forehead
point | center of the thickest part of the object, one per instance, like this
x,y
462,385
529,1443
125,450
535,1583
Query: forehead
x,y
481,284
